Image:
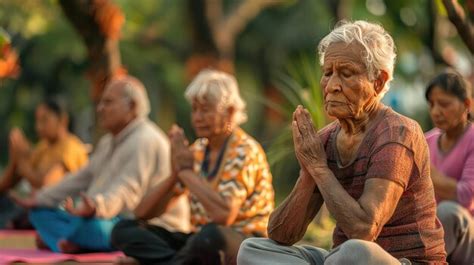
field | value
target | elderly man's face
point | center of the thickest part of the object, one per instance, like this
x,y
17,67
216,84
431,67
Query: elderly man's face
x,y
348,93
114,111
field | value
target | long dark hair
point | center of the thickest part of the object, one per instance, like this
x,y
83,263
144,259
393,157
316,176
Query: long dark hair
x,y
453,83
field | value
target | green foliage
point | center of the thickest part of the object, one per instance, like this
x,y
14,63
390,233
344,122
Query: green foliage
x,y
4,37
299,87
320,235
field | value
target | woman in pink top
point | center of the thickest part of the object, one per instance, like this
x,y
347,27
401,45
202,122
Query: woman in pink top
x,y
451,146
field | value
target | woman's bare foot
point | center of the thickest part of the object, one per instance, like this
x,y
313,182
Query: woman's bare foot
x,y
40,243
68,247
126,261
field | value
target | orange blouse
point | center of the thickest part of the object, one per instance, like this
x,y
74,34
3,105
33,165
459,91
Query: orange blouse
x,y
244,173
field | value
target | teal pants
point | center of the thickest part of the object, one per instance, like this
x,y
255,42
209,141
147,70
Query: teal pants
x,y
90,234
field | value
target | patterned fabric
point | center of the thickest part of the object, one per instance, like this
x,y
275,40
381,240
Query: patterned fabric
x,y
395,149
244,173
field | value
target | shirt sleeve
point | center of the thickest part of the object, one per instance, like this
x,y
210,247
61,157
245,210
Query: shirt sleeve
x,y
392,161
131,183
465,186
71,186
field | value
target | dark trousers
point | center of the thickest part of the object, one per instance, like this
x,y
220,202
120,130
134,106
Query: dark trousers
x,y
13,214
149,244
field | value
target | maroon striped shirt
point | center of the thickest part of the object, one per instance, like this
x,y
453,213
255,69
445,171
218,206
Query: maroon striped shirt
x,y
394,149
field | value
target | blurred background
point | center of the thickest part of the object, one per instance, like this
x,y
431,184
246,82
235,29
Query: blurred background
x,y
70,48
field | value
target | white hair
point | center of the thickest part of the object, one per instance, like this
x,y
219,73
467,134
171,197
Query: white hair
x,y
379,47
218,88
134,91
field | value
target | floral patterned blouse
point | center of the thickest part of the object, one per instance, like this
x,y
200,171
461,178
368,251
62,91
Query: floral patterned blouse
x,y
243,173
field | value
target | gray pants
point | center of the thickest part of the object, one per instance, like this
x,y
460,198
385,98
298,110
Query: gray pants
x,y
458,225
262,251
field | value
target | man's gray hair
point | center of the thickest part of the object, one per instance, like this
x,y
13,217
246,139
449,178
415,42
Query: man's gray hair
x,y
218,88
134,91
379,47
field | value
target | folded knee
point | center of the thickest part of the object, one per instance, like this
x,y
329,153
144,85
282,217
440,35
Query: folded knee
x,y
449,210
253,247
120,232
250,244
209,237
344,254
357,245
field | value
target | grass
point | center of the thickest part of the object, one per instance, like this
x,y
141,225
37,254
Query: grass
x,y
319,235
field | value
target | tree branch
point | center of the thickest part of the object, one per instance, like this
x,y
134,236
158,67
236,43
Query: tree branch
x,y
458,17
98,22
225,30
214,14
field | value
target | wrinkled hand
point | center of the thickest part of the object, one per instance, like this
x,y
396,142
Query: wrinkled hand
x,y
436,175
182,156
86,207
309,149
29,202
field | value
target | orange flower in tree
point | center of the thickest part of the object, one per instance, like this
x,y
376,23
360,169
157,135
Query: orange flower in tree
x,y
109,17
9,66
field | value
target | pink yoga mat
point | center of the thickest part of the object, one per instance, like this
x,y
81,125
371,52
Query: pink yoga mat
x,y
9,233
40,256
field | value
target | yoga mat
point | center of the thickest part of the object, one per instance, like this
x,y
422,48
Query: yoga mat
x,y
10,233
41,256
24,239
15,248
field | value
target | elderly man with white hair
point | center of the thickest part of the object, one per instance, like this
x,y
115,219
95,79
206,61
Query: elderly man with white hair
x,y
128,161
226,175
370,166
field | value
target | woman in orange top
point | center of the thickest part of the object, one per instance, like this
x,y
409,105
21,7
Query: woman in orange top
x,y
57,153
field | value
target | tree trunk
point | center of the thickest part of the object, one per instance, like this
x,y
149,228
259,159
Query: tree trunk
x,y
204,51
461,21
215,32
98,22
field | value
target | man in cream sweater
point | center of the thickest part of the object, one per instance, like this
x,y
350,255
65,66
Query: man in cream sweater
x,y
128,161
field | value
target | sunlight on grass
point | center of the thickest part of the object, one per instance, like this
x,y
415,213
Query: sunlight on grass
x,y
319,235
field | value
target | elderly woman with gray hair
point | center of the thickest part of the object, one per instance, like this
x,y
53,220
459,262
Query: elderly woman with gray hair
x,y
370,166
225,174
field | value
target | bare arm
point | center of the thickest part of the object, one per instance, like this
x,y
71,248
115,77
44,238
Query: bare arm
x,y
69,187
157,200
49,177
222,210
8,179
365,217
287,224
